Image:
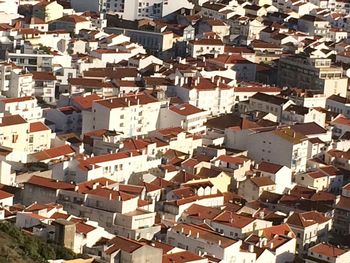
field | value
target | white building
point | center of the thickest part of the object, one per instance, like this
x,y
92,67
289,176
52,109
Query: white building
x,y
132,114
187,116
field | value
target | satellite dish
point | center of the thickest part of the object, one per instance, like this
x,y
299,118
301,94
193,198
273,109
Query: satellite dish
x,y
348,73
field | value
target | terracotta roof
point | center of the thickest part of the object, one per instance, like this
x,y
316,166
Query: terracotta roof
x,y
269,167
37,126
207,42
282,230
12,120
306,219
185,109
53,153
269,98
261,181
202,212
85,102
91,83
309,128
327,250
72,19
124,244
233,220
181,257
16,100
233,159
49,183
43,75
4,195
193,231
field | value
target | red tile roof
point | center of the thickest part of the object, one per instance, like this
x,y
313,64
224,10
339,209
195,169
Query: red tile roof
x,y
185,109
16,100
53,153
85,102
49,183
37,126
327,250
4,195
12,120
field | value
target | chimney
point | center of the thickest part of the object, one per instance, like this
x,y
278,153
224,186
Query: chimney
x,y
271,245
189,232
110,196
251,248
197,235
182,229
219,242
128,103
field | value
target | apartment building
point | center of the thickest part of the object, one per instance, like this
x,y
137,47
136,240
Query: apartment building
x,y
117,211
281,146
205,46
201,241
27,107
185,115
136,9
130,114
211,95
312,73
15,81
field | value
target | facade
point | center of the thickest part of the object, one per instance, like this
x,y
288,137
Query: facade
x,y
313,73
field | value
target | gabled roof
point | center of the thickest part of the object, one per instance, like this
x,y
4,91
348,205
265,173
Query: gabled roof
x,y
269,167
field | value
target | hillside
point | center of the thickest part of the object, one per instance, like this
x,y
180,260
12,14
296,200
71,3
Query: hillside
x,y
16,246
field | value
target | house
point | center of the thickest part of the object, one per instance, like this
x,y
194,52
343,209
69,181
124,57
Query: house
x,y
45,84
6,199
309,227
70,23
269,103
130,250
27,107
244,68
299,114
237,226
43,190
66,119
316,74
328,253
185,115
253,187
48,11
324,178
205,46
341,212
280,174
200,92
199,240
338,104
118,209
313,25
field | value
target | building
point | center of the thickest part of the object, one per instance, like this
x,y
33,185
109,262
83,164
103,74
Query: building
x,y
327,253
185,115
130,114
312,73
281,146
309,227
